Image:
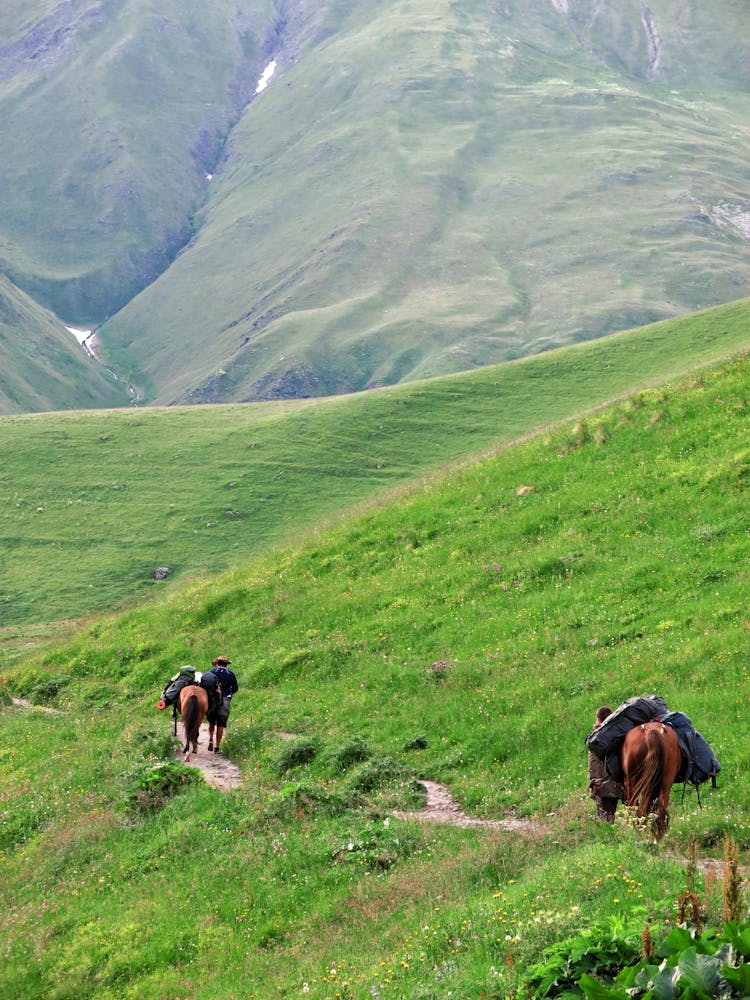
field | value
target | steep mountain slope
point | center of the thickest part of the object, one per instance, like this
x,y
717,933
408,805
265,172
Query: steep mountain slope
x,y
41,365
114,113
423,187
432,187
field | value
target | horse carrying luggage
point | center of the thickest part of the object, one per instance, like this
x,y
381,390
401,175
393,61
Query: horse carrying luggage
x,y
606,742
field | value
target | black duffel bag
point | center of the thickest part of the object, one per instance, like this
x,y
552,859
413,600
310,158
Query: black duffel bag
x,y
606,740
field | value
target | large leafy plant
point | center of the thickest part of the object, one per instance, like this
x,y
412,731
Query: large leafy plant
x,y
603,963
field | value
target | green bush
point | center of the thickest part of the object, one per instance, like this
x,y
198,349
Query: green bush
x,y
605,963
353,752
150,788
295,754
375,773
296,798
379,845
47,691
601,950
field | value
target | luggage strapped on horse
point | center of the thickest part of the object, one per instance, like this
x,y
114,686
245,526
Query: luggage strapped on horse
x,y
699,761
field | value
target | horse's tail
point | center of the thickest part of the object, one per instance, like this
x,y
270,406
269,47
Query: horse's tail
x,y
191,719
647,784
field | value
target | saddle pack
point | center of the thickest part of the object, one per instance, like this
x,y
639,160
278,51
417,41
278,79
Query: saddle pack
x,y
184,676
606,740
189,675
699,763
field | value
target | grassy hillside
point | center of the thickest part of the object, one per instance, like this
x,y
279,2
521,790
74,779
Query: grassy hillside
x,y
430,187
423,188
619,568
41,365
93,503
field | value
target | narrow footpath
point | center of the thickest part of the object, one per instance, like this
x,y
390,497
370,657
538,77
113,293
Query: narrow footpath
x,y
216,768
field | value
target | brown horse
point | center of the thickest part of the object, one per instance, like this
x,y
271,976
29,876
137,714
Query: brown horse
x,y
192,706
651,760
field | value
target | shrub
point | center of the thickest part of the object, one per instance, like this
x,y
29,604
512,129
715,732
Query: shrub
x,y
46,691
296,798
375,773
602,950
379,845
295,754
152,787
353,752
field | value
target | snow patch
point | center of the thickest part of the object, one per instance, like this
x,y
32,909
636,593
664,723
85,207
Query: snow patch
x,y
653,41
86,339
80,335
267,74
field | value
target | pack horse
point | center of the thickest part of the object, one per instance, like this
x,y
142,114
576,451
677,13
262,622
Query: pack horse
x,y
192,706
651,760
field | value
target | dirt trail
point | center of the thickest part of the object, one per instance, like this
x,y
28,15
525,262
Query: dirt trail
x,y
441,807
25,703
216,768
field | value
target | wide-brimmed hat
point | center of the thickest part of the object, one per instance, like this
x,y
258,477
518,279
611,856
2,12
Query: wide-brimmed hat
x,y
221,661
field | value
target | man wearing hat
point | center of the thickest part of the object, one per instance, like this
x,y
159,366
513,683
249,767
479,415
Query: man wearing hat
x,y
227,685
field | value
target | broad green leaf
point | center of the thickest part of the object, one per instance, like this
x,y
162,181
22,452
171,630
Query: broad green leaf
x,y
678,940
739,937
594,989
701,973
739,978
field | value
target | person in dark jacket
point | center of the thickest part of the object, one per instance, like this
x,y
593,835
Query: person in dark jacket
x,y
604,790
227,685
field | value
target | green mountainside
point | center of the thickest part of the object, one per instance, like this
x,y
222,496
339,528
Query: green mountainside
x,y
91,504
422,188
42,367
465,634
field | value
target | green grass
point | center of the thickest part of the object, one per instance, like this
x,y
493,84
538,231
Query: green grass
x,y
621,571
92,503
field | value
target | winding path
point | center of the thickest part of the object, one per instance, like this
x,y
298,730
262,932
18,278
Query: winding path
x,y
441,807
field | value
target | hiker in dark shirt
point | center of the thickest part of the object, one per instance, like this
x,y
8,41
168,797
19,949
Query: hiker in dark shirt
x,y
604,790
227,683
